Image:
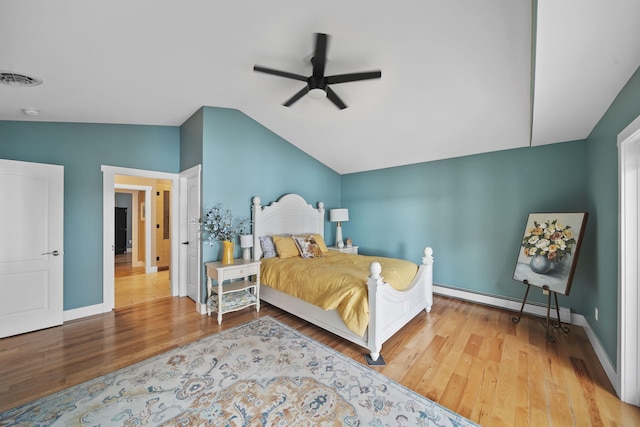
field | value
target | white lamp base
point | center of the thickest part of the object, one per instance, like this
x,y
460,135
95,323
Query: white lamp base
x,y
246,254
339,242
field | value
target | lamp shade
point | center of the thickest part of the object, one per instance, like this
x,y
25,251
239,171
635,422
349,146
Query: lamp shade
x,y
246,240
338,215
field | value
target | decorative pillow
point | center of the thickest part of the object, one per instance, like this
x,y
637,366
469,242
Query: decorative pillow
x,y
308,246
319,241
268,248
285,247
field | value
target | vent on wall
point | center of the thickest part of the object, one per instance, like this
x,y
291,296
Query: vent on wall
x,y
15,79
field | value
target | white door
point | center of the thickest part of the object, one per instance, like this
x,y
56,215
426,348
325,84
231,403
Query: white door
x,y
190,244
31,246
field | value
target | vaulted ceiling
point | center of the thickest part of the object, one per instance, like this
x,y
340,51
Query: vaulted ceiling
x,y
459,77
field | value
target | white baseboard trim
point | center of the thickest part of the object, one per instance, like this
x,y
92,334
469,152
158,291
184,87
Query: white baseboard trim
x,y
580,320
202,308
78,313
537,309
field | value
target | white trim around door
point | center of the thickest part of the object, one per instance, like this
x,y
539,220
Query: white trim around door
x,y
628,386
108,204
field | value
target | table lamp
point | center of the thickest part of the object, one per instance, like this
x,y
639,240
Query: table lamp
x,y
339,215
246,243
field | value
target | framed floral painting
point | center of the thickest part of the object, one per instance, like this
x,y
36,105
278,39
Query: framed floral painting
x,y
549,250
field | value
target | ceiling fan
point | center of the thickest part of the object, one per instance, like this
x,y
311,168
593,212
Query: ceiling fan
x,y
317,83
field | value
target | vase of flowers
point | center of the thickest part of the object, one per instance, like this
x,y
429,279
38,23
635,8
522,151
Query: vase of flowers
x,y
547,244
219,225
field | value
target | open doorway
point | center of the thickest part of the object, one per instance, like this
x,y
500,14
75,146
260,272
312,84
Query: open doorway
x,y
168,252
142,236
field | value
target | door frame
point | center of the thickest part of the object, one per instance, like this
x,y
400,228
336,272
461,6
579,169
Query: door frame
x,y
628,386
108,205
148,268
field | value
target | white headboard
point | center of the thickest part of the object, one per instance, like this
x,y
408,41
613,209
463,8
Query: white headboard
x,y
291,214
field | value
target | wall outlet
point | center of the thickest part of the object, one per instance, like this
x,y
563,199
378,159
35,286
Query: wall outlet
x,y
596,314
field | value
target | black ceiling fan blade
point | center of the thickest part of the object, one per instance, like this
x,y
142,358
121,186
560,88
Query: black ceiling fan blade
x,y
352,77
335,99
319,56
280,73
297,96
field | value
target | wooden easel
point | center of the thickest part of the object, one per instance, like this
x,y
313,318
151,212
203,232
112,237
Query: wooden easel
x,y
556,324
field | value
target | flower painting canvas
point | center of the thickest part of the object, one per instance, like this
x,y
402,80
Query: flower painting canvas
x,y
549,250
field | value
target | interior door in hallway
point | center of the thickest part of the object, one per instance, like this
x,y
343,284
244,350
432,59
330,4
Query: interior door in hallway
x,y
190,243
31,246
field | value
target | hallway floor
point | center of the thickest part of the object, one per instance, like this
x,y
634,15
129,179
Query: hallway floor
x,y
133,286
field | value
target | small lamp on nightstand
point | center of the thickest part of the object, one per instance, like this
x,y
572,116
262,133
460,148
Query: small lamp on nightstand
x,y
339,215
246,243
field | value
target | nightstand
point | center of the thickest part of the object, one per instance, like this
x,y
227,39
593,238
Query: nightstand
x,y
239,292
352,250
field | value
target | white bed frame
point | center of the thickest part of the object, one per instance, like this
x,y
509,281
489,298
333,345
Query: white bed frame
x,y
389,310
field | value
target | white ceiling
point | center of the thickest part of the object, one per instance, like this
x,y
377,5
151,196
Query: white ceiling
x,y
456,74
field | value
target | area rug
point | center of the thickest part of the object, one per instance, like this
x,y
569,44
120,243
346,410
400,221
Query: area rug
x,y
262,373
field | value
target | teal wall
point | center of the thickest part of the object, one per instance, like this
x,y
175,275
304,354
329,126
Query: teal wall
x,y
82,149
191,141
471,210
603,205
242,159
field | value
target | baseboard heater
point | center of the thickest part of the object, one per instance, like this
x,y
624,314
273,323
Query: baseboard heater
x,y
532,308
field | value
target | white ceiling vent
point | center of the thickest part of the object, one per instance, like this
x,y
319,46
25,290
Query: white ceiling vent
x,y
15,79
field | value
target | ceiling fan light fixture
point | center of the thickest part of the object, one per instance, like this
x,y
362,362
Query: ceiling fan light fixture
x,y
317,93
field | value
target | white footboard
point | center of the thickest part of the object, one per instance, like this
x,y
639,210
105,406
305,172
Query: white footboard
x,y
390,310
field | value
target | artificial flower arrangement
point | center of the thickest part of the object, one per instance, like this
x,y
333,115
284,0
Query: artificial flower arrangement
x,y
218,224
551,239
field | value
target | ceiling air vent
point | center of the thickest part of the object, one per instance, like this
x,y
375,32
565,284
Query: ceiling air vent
x,y
15,79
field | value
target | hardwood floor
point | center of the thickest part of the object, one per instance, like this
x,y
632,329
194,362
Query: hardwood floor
x,y
133,286
467,357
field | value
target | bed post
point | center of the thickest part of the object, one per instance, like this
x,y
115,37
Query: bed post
x,y
321,218
255,207
427,262
374,343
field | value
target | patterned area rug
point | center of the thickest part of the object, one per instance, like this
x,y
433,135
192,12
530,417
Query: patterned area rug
x,y
262,373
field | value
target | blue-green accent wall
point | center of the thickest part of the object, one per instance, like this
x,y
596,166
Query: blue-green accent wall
x,y
603,177
241,159
82,149
471,210
191,141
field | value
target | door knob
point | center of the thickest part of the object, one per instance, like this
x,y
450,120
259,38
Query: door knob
x,y
54,253
185,243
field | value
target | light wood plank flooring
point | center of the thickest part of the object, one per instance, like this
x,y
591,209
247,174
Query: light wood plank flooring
x,y
467,357
133,286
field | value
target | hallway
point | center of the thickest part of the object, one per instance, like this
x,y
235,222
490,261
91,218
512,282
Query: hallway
x,y
133,286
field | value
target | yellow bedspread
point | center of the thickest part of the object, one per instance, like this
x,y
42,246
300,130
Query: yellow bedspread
x,y
336,281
